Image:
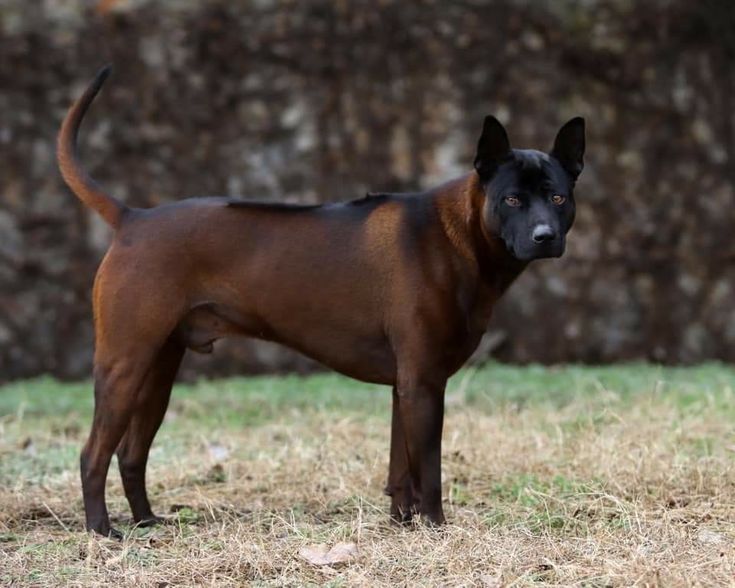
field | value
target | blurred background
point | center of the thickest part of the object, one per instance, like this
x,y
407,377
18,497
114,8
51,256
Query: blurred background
x,y
322,100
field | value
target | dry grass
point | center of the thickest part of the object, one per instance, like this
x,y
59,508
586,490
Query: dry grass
x,y
600,487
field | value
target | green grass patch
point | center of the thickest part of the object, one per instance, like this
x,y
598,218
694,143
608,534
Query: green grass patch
x,y
496,385
254,400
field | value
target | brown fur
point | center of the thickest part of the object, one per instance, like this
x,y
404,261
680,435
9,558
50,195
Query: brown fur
x,y
396,290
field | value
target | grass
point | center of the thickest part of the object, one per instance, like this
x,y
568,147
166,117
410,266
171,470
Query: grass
x,y
585,476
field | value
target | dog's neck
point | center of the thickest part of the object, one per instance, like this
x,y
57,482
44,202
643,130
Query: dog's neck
x,y
460,205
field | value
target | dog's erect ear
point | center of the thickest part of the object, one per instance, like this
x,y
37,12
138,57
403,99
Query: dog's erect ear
x,y
492,148
569,146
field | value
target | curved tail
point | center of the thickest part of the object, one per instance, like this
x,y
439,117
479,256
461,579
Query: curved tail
x,y
88,191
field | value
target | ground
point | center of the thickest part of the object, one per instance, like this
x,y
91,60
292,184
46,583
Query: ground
x,y
613,476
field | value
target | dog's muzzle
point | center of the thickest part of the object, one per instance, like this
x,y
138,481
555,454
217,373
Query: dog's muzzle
x,y
543,233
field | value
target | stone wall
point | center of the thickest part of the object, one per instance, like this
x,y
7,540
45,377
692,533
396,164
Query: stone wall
x,y
323,100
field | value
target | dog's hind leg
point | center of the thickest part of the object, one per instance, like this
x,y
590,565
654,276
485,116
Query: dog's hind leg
x,y
131,332
150,408
404,501
116,386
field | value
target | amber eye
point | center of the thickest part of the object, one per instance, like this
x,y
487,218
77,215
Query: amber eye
x,y
558,199
512,201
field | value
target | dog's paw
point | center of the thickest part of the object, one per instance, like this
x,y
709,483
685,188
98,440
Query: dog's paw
x,y
106,532
151,521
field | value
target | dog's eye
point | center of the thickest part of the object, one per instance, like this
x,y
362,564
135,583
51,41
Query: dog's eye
x,y
512,201
558,199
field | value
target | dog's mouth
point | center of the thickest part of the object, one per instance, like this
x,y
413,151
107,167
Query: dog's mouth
x,y
531,251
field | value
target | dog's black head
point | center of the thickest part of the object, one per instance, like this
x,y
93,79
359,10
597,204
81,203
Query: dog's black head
x,y
529,201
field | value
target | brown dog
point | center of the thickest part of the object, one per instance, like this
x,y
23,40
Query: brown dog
x,y
392,289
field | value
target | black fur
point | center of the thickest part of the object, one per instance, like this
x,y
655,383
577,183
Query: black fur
x,y
530,179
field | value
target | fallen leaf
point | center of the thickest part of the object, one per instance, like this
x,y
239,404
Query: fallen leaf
x,y
321,555
315,554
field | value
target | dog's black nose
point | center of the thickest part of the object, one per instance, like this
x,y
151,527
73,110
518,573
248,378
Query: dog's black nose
x,y
543,233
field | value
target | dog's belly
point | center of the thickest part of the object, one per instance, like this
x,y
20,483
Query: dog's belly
x,y
366,359
363,354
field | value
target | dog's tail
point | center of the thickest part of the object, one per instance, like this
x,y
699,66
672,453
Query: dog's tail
x,y
88,191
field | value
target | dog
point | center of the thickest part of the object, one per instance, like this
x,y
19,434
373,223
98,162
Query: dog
x,y
394,289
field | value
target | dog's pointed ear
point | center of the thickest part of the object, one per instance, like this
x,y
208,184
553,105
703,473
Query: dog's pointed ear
x,y
569,146
492,148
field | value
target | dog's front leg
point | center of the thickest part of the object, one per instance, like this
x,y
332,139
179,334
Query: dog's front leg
x,y
421,409
404,498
